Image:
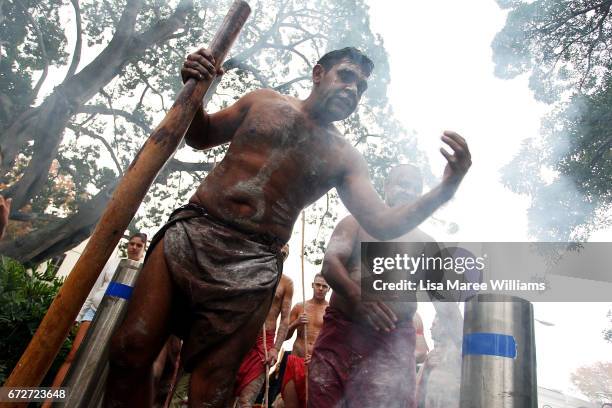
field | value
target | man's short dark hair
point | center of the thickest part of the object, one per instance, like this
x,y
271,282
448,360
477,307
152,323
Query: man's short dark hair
x,y
351,53
319,275
140,235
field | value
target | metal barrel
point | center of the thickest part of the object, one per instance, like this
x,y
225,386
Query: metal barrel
x,y
499,355
87,375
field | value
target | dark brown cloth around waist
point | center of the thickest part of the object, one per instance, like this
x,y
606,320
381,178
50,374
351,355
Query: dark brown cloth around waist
x,y
221,277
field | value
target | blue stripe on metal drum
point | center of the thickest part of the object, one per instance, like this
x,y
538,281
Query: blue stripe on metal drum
x,y
119,290
489,344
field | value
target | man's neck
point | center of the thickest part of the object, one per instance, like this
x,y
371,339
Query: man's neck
x,y
310,107
317,301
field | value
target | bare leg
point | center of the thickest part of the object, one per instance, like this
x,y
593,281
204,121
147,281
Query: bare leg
x,y
61,373
159,364
250,392
290,396
212,381
141,336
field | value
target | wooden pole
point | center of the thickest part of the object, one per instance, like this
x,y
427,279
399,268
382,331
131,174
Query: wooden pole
x,y
265,347
124,203
304,303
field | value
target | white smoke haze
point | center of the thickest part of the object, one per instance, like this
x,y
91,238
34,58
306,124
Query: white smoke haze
x,y
443,77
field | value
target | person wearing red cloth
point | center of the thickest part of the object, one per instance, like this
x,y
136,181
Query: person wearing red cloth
x,y
252,372
309,317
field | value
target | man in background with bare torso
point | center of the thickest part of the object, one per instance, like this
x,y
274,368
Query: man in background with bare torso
x,y
309,318
365,354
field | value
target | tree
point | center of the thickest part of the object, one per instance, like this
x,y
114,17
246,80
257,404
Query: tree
x,y
594,381
63,152
568,172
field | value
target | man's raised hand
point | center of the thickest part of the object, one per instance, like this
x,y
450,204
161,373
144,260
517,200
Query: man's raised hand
x,y
458,162
200,65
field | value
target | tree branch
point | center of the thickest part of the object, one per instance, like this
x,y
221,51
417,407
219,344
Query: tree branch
x,y
19,216
43,52
286,85
144,79
547,30
103,110
592,45
77,129
165,29
109,100
291,49
233,63
76,56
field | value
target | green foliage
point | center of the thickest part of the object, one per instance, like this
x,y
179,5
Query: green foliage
x,y
568,171
25,297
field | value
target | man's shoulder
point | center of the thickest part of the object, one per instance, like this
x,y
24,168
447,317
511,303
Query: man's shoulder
x,y
286,281
269,94
259,96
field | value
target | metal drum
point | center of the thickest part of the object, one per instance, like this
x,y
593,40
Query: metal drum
x,y
87,376
499,356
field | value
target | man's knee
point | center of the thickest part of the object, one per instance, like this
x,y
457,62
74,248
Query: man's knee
x,y
130,352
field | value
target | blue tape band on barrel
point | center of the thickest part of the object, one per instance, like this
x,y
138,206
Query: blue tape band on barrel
x,y
489,344
119,290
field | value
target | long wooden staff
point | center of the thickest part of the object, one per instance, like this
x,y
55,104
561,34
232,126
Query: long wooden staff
x,y
124,203
304,303
265,347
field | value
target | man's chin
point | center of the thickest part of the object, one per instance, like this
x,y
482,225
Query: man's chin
x,y
336,115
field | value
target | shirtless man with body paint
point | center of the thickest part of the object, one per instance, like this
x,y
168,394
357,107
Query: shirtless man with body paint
x,y
310,318
284,154
365,355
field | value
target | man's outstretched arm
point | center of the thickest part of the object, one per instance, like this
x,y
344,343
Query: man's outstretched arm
x,y
385,223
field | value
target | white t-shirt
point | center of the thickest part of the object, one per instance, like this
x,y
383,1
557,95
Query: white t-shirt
x,y
97,292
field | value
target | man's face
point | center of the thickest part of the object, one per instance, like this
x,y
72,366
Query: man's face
x,y
340,89
404,187
320,288
135,248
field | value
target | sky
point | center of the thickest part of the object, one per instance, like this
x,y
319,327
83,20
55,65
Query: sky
x,y
442,78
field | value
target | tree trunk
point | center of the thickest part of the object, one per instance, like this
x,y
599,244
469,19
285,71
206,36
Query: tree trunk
x,y
59,236
62,235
